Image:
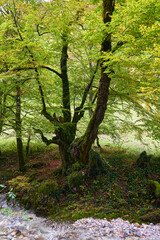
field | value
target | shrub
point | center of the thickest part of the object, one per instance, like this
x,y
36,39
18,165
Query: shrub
x,y
48,188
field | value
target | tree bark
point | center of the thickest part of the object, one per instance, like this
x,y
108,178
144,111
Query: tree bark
x,y
28,144
18,129
66,158
3,98
65,82
1,113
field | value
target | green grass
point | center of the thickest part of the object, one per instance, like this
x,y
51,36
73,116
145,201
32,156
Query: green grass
x,y
8,144
129,141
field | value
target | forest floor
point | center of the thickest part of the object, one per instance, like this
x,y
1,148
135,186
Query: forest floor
x,y
123,190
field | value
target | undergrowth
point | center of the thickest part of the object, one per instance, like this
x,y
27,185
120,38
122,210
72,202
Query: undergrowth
x,y
123,190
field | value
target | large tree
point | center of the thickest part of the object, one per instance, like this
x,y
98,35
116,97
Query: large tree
x,y
72,149
66,124
55,42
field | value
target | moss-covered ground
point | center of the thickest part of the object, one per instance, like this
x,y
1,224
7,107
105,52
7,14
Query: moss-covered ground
x,y
123,190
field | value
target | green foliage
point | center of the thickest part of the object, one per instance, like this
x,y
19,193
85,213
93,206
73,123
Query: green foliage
x,y
28,51
11,194
7,211
3,187
135,32
136,73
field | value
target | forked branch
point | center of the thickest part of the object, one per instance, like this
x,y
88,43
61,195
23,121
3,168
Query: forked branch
x,y
79,112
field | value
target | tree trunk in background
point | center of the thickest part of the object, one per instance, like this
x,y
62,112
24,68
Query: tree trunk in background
x,y
28,144
18,129
20,154
83,145
1,113
3,98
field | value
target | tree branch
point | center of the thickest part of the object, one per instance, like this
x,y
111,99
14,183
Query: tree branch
x,y
78,114
86,91
118,45
52,70
40,34
54,140
65,81
33,68
44,110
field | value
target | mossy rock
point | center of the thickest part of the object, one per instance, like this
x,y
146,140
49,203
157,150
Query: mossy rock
x,y
48,188
75,179
96,164
155,188
20,184
144,160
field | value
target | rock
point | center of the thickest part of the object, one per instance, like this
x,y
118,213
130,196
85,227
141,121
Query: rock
x,y
121,235
137,225
155,191
151,224
138,234
133,238
18,233
125,234
110,226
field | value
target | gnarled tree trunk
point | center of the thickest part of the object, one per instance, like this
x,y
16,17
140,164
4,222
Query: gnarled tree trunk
x,y
83,145
70,149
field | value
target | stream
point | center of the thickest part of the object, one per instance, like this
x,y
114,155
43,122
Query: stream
x,y
18,223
